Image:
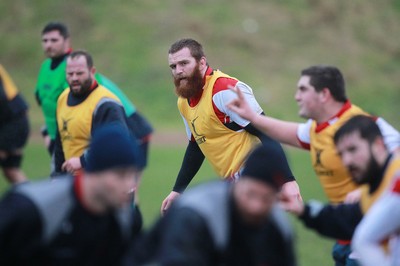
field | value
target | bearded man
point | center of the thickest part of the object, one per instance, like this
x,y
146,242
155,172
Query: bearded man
x,y
214,132
81,109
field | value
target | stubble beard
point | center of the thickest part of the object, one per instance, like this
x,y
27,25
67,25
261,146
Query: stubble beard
x,y
372,172
85,86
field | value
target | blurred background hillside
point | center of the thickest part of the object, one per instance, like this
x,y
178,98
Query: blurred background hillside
x,y
263,43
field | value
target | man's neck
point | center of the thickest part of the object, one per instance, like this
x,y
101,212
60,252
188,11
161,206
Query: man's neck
x,y
56,61
88,195
329,111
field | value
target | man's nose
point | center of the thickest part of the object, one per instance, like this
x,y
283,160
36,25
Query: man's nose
x,y
179,69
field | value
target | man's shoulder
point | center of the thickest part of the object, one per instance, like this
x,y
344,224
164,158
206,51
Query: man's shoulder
x,y
52,198
223,83
45,190
204,193
46,63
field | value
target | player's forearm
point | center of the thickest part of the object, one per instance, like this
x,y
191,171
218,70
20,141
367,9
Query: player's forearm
x,y
332,221
58,156
266,140
190,166
282,131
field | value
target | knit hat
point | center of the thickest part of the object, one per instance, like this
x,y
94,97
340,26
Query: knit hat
x,y
111,147
267,163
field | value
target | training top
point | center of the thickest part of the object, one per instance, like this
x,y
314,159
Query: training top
x,y
78,117
318,139
50,84
111,86
75,122
225,148
12,103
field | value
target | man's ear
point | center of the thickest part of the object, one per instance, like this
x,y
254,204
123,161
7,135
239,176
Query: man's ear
x,y
378,145
203,63
67,44
325,95
93,70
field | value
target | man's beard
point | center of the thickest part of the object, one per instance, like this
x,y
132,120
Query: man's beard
x,y
84,87
191,86
372,172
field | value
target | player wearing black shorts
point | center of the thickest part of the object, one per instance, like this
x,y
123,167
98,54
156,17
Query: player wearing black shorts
x,y
14,128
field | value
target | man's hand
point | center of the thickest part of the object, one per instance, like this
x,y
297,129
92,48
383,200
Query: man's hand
x,y
291,189
166,204
292,204
353,196
240,105
72,165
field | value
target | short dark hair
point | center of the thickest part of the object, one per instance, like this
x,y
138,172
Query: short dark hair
x,y
330,77
196,49
78,53
363,124
60,27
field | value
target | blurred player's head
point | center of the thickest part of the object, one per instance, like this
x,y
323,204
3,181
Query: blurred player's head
x,y
188,64
316,87
111,167
55,39
256,191
80,72
360,144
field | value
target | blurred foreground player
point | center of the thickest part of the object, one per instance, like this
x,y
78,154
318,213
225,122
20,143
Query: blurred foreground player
x,y
86,220
14,128
225,223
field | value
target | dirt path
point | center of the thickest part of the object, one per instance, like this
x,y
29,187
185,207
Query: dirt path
x,y
169,138
160,138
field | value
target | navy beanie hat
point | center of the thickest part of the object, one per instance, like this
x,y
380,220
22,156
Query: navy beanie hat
x,y
111,147
267,163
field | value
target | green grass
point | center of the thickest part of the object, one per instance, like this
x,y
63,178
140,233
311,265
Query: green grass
x,y
130,39
158,179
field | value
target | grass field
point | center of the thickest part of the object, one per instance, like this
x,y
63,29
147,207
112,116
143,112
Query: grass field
x,y
158,179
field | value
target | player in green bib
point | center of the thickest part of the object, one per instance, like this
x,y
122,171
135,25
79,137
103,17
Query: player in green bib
x,y
52,82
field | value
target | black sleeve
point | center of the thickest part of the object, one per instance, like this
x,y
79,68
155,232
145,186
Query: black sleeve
x,y
20,229
266,140
107,112
191,164
336,221
58,157
186,239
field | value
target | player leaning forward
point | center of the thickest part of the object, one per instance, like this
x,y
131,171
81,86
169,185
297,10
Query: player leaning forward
x,y
214,132
321,96
362,149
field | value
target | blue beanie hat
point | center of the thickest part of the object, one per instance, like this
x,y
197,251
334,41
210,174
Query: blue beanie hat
x,y
267,163
111,147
